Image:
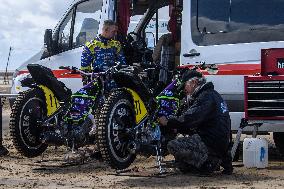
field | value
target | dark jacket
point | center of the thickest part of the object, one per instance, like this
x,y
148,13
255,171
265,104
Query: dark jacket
x,y
209,115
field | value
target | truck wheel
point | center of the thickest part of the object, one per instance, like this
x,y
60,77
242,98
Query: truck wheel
x,y
279,142
116,117
28,109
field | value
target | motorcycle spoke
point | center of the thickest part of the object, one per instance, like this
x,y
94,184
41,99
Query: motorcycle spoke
x,y
123,148
118,120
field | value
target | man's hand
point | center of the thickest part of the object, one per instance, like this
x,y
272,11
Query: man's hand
x,y
163,120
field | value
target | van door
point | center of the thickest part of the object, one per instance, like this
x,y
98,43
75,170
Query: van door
x,y
230,33
80,25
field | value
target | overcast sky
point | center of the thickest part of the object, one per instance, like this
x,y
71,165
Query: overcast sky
x,y
22,25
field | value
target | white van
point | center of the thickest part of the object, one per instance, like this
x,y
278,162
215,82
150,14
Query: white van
x,y
228,33
80,23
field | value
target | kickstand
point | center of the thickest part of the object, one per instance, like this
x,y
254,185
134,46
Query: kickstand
x,y
42,156
159,158
41,159
74,157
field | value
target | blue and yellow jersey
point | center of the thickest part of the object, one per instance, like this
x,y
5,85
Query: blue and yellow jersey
x,y
100,54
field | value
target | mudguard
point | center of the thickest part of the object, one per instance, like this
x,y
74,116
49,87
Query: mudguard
x,y
139,107
132,81
43,76
52,103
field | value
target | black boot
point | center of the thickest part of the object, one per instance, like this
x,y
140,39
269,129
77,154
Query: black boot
x,y
227,164
185,168
211,165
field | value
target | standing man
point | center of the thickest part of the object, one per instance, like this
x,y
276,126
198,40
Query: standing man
x,y
102,52
98,55
208,116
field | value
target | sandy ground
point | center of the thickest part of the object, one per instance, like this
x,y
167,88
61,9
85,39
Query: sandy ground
x,y
19,172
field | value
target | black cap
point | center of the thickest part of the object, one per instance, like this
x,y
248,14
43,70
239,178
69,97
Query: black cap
x,y
191,74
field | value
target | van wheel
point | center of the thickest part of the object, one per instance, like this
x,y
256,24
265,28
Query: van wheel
x,y
279,142
28,109
117,116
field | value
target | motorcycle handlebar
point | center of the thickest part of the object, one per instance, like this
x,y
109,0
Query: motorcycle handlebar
x,y
75,70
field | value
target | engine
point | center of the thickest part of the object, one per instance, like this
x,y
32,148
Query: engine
x,y
70,135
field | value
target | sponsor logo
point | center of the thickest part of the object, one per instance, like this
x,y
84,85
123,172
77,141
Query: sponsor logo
x,y
224,107
280,63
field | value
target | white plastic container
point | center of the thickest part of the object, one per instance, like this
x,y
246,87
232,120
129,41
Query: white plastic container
x,y
255,152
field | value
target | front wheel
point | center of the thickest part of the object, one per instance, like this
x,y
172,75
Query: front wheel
x,y
117,116
27,111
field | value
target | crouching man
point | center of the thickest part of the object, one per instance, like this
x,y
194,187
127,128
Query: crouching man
x,y
207,115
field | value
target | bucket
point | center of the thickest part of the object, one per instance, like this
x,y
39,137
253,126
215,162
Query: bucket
x,y
255,152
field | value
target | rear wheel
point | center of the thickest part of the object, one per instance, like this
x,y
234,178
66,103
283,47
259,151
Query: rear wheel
x,y
116,117
28,109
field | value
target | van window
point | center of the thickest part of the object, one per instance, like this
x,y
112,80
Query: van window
x,y
134,20
212,16
237,21
87,20
150,29
163,18
64,33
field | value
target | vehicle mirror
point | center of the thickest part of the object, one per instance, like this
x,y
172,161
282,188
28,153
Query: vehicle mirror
x,y
48,40
150,40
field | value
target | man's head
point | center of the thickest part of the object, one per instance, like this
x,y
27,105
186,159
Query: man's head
x,y
109,29
192,79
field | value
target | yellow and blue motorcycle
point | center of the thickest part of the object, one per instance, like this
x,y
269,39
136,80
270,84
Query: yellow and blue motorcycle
x,y
128,124
43,115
